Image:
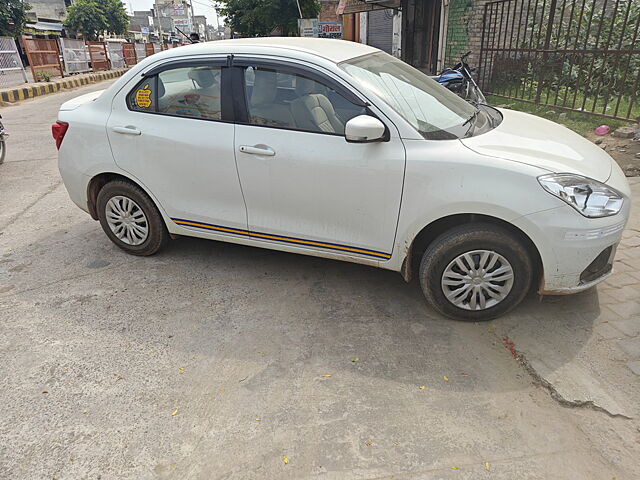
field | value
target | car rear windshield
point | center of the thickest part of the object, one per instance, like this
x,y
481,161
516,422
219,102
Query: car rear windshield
x,y
437,113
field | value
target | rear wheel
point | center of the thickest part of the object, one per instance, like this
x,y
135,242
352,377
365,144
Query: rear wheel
x,y
130,219
475,272
3,151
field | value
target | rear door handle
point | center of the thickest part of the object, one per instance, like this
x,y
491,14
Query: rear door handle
x,y
128,130
265,151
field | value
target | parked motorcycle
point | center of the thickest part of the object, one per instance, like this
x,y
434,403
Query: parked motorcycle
x,y
459,80
3,138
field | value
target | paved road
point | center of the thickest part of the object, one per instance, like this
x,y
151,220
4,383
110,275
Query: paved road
x,y
216,361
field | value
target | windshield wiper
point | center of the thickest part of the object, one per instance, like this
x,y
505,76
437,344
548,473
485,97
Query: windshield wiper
x,y
471,121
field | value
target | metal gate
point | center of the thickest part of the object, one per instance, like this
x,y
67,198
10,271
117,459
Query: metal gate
x,y
11,68
141,51
114,50
98,55
74,55
571,54
43,56
129,54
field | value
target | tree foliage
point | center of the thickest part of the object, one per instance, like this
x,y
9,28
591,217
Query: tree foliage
x,y
13,15
252,18
93,17
116,16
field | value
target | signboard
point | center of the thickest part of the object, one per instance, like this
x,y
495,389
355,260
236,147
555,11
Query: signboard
x,y
330,30
355,6
144,30
178,9
308,27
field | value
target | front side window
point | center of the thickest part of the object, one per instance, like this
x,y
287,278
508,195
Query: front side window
x,y
433,110
186,92
277,98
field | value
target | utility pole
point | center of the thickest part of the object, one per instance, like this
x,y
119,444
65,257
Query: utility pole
x,y
299,9
159,21
193,20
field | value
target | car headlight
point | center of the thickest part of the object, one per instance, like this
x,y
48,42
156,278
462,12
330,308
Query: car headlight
x,y
589,197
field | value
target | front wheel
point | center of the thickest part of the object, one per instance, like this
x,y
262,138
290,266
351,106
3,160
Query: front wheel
x,y
3,151
475,272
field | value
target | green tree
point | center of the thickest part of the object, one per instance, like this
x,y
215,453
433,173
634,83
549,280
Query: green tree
x,y
13,15
92,17
115,15
86,17
260,17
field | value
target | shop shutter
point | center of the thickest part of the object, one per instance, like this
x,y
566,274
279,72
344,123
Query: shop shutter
x,y
380,29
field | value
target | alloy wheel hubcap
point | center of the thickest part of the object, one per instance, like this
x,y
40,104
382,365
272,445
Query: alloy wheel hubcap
x,y
126,220
477,280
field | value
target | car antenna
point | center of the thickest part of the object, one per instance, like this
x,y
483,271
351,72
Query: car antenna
x,y
184,34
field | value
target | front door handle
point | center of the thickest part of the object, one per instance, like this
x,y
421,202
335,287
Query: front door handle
x,y
128,130
258,150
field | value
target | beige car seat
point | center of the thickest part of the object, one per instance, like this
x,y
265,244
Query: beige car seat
x,y
263,107
207,83
312,110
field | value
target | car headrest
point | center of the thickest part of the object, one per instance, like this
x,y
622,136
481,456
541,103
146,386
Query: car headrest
x,y
265,87
203,76
305,86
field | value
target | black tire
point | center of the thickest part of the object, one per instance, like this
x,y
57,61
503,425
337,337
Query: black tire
x,y
157,236
3,151
467,238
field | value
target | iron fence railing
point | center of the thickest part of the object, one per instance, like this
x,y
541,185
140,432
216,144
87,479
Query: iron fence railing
x,y
11,69
581,55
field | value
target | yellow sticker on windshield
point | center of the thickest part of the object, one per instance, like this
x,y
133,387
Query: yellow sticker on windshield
x,y
143,97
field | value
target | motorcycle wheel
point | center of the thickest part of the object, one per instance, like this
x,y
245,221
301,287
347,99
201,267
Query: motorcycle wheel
x,y
3,150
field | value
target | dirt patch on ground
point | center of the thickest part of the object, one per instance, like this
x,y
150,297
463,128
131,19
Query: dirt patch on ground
x,y
625,151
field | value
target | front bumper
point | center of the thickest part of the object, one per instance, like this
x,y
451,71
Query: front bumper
x,y
576,252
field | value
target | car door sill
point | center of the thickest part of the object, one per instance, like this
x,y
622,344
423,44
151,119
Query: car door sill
x,y
281,239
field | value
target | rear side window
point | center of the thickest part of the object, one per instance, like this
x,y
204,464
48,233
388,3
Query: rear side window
x,y
192,92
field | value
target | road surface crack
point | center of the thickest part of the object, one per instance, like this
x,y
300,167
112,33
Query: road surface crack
x,y
553,392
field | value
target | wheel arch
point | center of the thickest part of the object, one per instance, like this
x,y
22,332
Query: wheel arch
x,y
434,229
100,180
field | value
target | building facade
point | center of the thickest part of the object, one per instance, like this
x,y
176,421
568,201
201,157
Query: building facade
x,y
46,17
428,34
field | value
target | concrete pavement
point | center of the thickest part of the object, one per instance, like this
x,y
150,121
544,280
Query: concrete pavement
x,y
216,361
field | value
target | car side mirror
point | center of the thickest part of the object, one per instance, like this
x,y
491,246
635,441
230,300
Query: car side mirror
x,y
364,129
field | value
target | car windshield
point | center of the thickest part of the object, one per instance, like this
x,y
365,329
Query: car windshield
x,y
437,113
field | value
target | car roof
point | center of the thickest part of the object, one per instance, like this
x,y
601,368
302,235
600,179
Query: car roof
x,y
334,50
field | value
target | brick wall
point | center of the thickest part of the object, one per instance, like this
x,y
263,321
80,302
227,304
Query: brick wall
x,y
464,30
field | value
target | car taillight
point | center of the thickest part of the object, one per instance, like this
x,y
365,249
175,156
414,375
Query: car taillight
x,y
58,130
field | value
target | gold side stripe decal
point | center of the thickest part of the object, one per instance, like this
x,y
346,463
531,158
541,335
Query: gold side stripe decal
x,y
278,238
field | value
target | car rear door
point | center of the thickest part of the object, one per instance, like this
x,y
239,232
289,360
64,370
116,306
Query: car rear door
x,y
170,131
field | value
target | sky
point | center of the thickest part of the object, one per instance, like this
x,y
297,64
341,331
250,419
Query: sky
x,y
200,7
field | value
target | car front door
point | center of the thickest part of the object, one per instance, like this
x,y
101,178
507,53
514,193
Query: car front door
x,y
170,132
303,183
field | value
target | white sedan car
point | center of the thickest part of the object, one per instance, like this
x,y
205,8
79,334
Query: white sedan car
x,y
338,150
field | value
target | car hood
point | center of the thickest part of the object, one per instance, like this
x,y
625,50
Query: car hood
x,y
542,143
80,100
